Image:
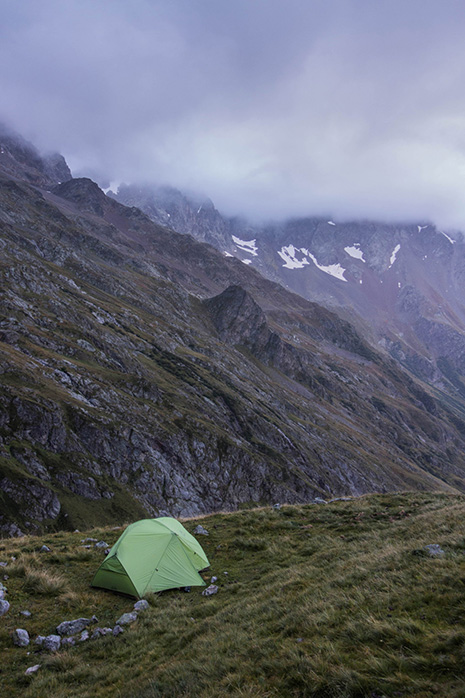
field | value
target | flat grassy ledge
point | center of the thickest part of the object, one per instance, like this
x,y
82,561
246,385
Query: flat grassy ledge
x,y
337,600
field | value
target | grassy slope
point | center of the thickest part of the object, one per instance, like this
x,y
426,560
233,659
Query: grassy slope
x,y
320,600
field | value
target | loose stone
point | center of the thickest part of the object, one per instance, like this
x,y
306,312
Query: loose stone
x,y
52,643
209,591
435,550
201,531
127,618
32,669
20,637
71,627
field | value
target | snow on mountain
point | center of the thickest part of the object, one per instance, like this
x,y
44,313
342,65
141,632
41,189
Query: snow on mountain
x,y
355,251
246,245
289,252
452,242
332,269
394,255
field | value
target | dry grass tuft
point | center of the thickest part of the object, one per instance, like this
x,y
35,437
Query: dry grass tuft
x,y
44,583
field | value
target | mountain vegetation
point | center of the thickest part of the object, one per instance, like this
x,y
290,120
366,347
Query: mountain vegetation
x,y
145,373
360,598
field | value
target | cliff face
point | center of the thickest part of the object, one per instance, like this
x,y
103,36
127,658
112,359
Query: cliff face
x,y
144,373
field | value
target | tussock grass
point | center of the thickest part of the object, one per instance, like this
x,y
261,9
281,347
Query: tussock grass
x,y
319,601
43,583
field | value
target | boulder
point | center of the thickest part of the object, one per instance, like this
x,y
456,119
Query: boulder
x,y
127,618
141,605
201,531
71,627
52,643
20,637
117,630
4,607
101,632
68,642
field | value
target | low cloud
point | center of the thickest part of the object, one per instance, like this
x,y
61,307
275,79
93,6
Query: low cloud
x,y
272,108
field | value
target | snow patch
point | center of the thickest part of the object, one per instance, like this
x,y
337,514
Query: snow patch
x,y
228,254
421,227
355,251
331,223
288,254
394,255
246,261
248,246
452,242
332,269
291,261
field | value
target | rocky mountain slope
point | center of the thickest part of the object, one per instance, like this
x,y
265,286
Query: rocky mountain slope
x,y
402,285
143,373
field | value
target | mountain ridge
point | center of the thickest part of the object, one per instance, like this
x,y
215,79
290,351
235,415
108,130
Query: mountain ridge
x,y
128,391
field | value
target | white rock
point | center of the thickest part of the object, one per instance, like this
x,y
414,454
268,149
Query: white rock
x,y
32,669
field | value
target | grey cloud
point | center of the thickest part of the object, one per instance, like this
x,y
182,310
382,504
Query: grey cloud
x,y
270,107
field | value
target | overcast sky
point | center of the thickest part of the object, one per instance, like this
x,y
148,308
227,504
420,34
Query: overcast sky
x,y
273,108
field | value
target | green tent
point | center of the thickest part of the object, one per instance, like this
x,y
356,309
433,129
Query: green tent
x,y
152,555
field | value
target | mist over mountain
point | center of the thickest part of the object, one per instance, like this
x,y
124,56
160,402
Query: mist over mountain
x,y
345,110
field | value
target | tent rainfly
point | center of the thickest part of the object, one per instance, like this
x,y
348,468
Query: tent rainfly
x,y
152,555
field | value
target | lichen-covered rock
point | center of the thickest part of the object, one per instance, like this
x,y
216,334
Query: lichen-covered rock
x,y
4,607
141,605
